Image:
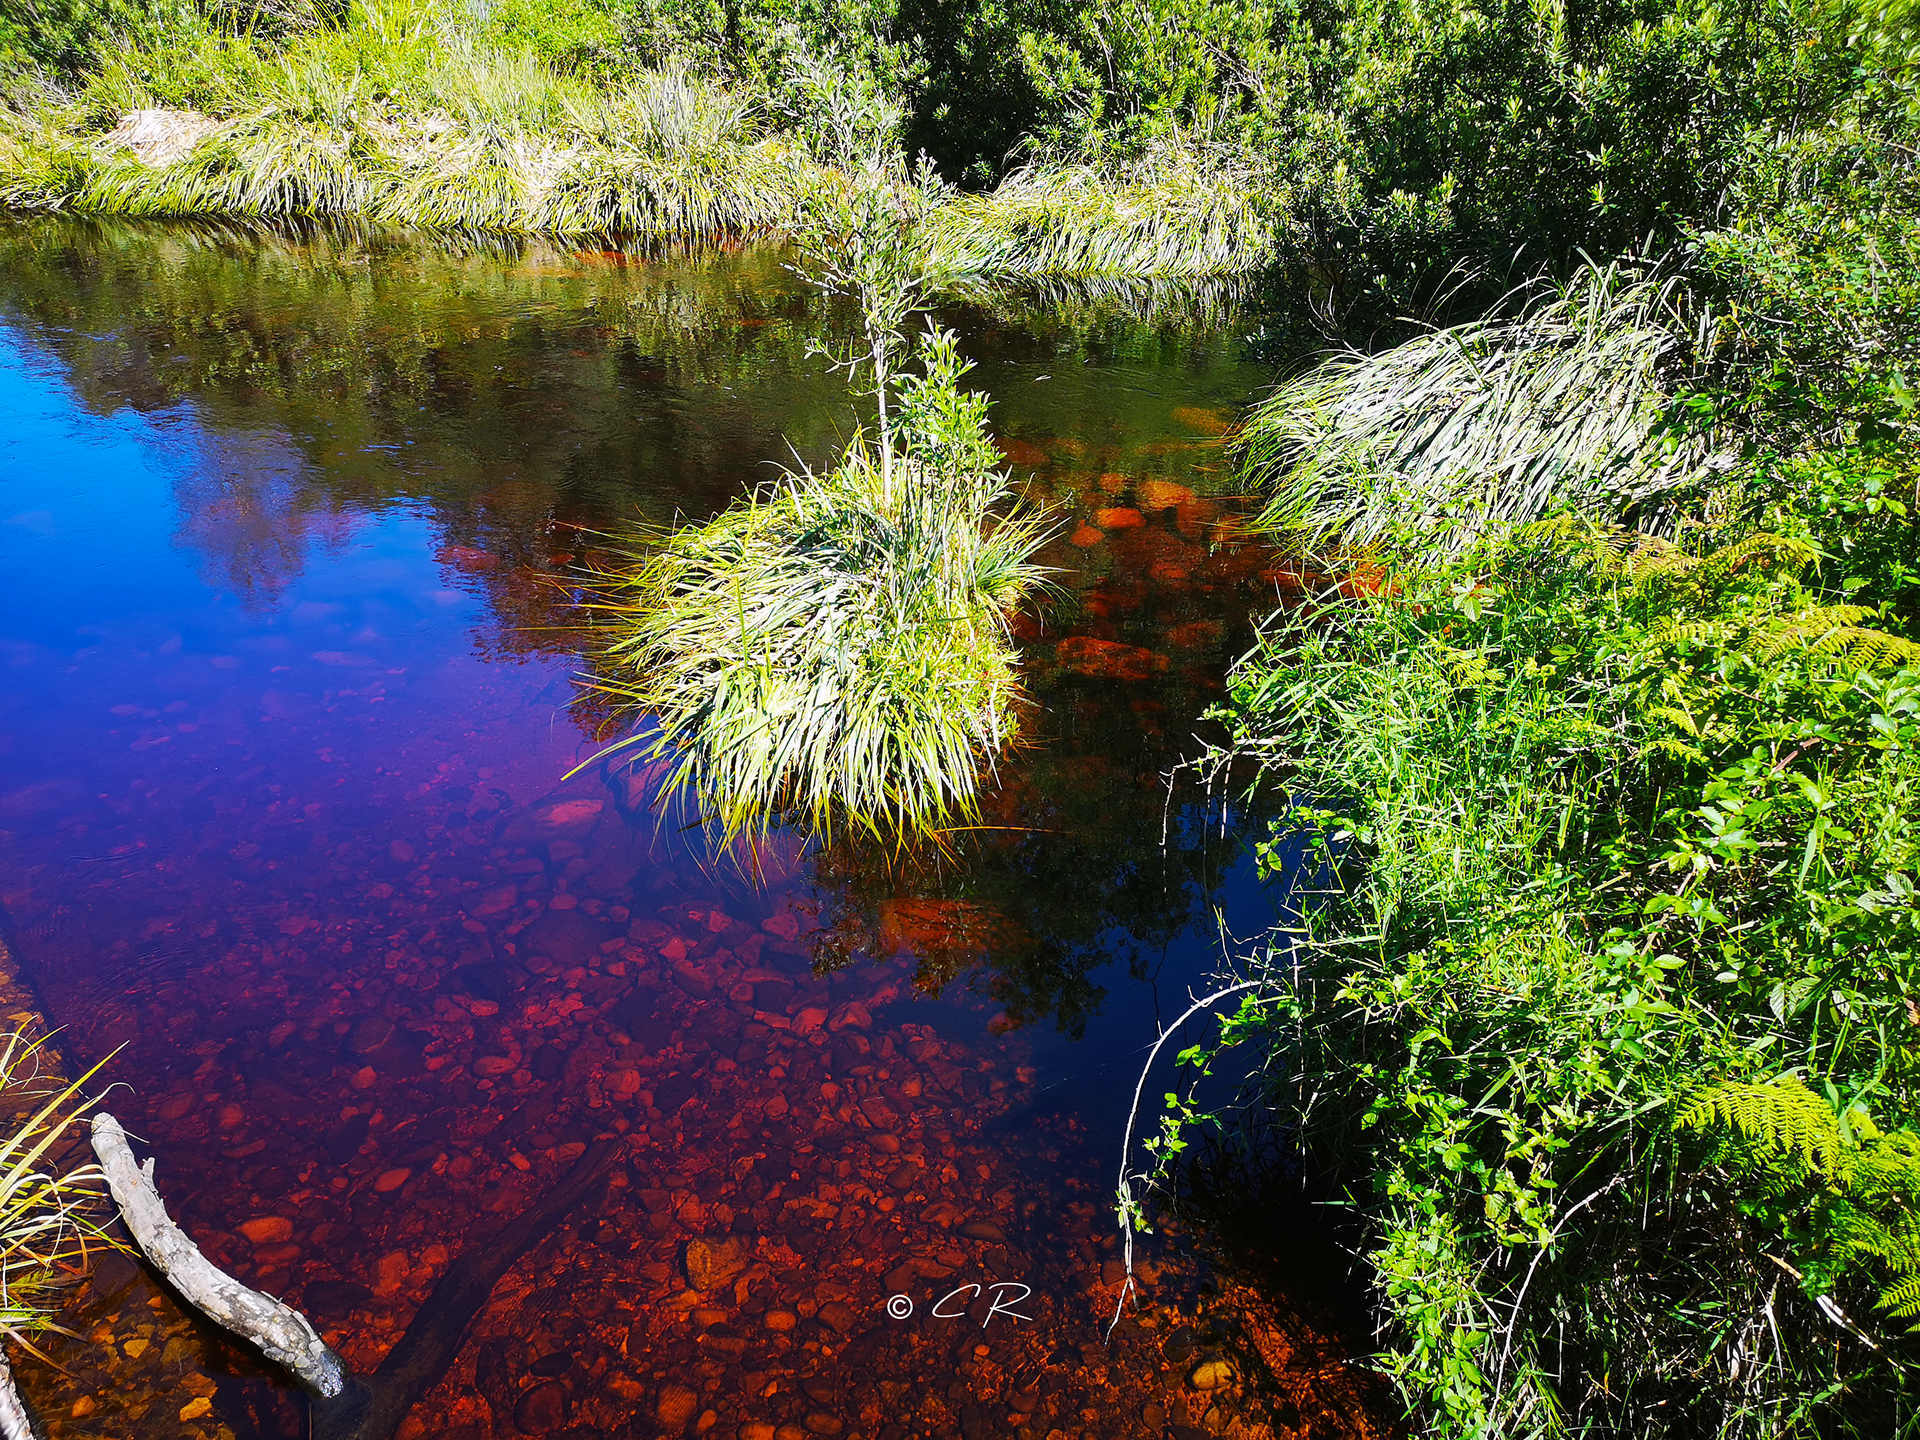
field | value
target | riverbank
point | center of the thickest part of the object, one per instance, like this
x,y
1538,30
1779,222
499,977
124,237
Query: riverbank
x,y
396,115
1604,1010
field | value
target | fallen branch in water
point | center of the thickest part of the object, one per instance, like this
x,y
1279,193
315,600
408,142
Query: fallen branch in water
x,y
282,1333
14,1424
344,1408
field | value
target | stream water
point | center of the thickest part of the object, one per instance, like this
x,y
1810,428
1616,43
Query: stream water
x,y
291,534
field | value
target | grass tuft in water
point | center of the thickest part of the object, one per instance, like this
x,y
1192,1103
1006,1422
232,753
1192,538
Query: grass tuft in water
x,y
835,651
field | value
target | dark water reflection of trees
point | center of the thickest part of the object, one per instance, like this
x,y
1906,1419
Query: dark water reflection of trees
x,y
526,400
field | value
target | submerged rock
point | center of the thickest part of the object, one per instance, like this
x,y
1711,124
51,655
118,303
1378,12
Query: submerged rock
x,y
545,1408
710,1263
1210,1375
676,1405
567,937
369,1035
344,1140
1161,495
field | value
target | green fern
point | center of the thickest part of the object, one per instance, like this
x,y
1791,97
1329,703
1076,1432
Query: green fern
x,y
1868,1182
1780,1116
1830,632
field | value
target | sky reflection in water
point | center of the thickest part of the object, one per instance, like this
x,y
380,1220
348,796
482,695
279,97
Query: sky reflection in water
x,y
287,535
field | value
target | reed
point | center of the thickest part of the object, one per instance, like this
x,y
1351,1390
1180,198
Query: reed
x,y
51,1213
1177,213
1479,426
834,651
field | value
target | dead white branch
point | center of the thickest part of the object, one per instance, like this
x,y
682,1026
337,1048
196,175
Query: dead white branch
x,y
13,1415
1128,1207
283,1334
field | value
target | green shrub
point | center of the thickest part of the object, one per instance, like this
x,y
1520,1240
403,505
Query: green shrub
x,y
65,36
567,34
1606,820
1604,990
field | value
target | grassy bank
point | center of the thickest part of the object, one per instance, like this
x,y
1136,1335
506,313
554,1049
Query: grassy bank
x,y
398,115
1383,149
1606,993
403,113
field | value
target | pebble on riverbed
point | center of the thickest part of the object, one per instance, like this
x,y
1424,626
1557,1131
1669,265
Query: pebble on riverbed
x,y
796,1148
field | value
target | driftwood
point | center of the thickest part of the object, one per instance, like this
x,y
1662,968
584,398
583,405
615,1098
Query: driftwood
x,y
343,1407
14,1424
283,1334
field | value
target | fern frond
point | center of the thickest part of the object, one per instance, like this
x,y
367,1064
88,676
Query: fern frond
x,y
1679,750
1779,1117
1902,1299
1864,646
1679,719
1777,552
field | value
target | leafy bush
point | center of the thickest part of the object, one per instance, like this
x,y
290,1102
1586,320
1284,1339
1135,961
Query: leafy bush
x,y
1606,821
568,34
1396,140
1605,993
64,36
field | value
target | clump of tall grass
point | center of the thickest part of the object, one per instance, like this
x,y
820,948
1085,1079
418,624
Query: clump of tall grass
x,y
397,114
1495,422
1176,213
51,1212
835,651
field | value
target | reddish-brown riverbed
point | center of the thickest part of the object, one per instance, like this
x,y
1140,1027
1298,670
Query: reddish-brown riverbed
x,y
285,580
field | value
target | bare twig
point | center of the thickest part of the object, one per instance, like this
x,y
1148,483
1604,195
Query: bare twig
x,y
1126,1205
1513,1316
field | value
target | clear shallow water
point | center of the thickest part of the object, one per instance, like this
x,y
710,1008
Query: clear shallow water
x,y
290,531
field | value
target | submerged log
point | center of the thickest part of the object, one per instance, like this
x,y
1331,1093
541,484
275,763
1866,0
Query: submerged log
x,y
343,1407
439,1327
